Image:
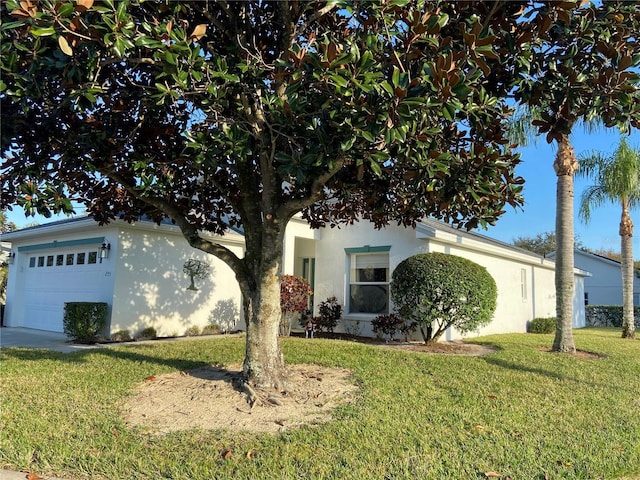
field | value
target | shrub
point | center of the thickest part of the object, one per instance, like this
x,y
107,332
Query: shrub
x,y
387,324
608,315
148,333
294,299
192,331
542,325
407,328
83,321
121,336
438,291
391,324
330,312
211,329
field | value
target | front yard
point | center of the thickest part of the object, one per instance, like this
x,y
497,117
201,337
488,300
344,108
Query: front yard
x,y
519,412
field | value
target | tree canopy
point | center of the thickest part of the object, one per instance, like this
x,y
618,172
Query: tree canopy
x,y
243,114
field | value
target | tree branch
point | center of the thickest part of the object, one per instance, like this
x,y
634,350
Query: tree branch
x,y
189,231
316,192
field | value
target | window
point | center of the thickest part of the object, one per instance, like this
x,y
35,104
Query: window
x,y
50,261
93,257
523,284
32,262
80,258
41,261
59,260
369,282
586,298
70,257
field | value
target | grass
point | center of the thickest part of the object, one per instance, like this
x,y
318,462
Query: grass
x,y
521,412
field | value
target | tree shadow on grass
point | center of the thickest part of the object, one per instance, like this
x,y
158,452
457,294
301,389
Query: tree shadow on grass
x,y
36,354
525,368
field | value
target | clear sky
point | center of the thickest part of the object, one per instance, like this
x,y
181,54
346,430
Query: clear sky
x,y
538,214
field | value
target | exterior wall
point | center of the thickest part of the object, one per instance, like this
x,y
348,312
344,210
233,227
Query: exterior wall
x,y
604,287
508,268
298,244
518,301
151,287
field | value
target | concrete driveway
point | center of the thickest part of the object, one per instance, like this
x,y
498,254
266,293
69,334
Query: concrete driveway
x,y
31,338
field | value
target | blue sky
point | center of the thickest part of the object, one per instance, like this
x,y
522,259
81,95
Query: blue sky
x,y
538,214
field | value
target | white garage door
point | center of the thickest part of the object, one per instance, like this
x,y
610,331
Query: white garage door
x,y
56,276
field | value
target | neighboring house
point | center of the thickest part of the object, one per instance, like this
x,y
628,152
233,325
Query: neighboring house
x,y
5,258
604,286
141,276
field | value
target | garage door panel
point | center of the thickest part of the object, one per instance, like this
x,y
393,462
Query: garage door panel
x,y
48,288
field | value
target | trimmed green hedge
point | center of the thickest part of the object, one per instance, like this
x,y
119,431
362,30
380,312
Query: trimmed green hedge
x,y
83,321
438,291
542,325
608,316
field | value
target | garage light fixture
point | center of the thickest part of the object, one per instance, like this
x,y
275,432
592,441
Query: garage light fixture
x,y
104,250
11,257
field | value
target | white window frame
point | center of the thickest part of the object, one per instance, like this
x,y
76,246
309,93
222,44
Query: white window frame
x,y
381,259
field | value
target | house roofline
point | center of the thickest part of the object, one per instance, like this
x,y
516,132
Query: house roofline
x,y
435,229
594,255
77,224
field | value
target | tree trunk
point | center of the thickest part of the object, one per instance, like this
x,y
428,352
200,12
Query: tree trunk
x,y
626,234
263,363
565,166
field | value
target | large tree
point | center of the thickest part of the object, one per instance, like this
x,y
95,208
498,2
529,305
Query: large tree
x,y
542,243
584,71
616,179
243,114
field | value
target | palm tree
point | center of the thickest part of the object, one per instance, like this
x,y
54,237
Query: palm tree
x,y
522,131
617,180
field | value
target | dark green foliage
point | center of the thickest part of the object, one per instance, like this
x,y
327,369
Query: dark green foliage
x,y
83,321
330,312
542,325
439,291
608,316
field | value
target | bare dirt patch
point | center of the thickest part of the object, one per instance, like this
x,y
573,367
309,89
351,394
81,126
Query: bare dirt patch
x,y
205,398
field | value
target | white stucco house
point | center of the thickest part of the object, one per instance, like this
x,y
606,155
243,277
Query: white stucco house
x,y
138,270
604,286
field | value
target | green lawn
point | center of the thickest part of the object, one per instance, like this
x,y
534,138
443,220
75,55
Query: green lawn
x,y
521,412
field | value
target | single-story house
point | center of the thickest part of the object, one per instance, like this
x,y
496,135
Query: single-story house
x,y
137,269
604,286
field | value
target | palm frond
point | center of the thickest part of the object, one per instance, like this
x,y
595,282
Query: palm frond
x,y
593,197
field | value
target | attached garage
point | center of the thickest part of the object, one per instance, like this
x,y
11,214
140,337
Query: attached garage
x,y
140,276
60,272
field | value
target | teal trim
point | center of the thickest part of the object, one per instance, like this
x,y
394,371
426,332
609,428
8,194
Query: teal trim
x,y
63,244
368,249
